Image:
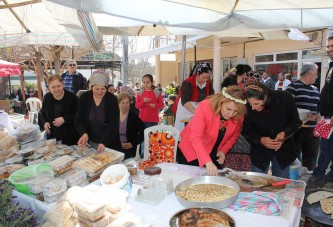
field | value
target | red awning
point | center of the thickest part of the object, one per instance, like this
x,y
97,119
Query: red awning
x,y
9,68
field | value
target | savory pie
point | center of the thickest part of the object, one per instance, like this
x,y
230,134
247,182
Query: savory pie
x,y
206,192
201,218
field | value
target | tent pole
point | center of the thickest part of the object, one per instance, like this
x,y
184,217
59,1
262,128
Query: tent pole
x,y
10,87
22,86
182,76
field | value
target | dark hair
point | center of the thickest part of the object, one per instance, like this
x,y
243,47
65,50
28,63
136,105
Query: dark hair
x,y
330,37
241,69
110,85
149,76
259,91
200,68
172,97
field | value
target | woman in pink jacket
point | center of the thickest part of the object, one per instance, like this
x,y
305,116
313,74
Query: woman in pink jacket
x,y
214,129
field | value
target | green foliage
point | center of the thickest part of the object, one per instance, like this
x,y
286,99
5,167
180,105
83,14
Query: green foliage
x,y
11,214
170,90
30,85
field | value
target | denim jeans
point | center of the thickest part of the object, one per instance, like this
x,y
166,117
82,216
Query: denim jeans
x,y
142,147
276,170
325,157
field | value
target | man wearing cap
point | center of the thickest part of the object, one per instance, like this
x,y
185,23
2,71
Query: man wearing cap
x,y
73,80
97,115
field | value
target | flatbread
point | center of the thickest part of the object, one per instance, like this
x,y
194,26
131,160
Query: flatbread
x,y
327,205
319,195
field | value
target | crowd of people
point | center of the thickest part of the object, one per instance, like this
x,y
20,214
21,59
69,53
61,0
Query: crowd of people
x,y
250,106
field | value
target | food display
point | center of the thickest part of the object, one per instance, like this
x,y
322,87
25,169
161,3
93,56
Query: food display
x,y
26,132
62,164
36,185
206,192
27,152
74,177
5,171
7,142
146,164
91,166
59,214
317,196
201,217
102,222
104,157
65,151
54,189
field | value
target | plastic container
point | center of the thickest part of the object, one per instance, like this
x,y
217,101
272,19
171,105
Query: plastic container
x,y
54,198
102,222
91,166
14,160
54,187
116,176
74,177
89,206
50,142
27,152
43,150
36,185
65,151
295,170
62,164
37,161
21,177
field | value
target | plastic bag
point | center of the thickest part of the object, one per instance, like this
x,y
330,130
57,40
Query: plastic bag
x,y
26,132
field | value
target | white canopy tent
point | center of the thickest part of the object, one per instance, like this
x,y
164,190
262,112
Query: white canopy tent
x,y
40,22
218,17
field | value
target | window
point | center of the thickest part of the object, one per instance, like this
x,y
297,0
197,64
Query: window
x,y
273,70
286,56
264,58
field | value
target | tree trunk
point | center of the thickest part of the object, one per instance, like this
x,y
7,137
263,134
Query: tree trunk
x,y
39,73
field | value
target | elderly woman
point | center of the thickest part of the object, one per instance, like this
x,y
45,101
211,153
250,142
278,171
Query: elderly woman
x,y
215,127
269,125
130,126
58,112
97,115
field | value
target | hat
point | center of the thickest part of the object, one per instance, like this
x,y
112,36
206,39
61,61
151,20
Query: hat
x,y
127,89
99,77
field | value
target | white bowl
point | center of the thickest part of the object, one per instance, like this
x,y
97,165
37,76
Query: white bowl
x,y
115,171
303,113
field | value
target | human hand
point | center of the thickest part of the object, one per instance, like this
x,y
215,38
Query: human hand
x,y
146,100
83,139
100,148
58,121
221,156
47,127
211,169
280,136
126,145
271,144
152,105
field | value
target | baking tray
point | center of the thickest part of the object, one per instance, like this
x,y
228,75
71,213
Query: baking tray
x,y
175,218
247,175
314,211
208,180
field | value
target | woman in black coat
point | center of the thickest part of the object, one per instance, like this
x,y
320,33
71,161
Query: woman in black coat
x,y
238,78
131,127
269,125
57,114
97,115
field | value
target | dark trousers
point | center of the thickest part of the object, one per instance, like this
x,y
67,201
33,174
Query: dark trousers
x,y
308,148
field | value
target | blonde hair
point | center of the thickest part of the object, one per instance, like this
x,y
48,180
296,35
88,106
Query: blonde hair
x,y
124,95
235,92
53,78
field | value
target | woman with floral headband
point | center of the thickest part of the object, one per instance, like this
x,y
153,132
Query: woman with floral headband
x,y
269,125
213,131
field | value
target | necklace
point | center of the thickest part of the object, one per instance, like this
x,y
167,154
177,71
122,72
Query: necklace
x,y
223,123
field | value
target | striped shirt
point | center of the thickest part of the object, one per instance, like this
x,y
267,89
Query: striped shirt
x,y
306,96
68,82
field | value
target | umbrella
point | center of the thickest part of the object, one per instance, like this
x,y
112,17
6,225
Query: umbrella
x,y
8,69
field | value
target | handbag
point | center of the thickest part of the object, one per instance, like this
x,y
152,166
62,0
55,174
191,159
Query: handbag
x,y
323,129
241,146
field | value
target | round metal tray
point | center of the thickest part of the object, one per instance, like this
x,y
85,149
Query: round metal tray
x,y
208,180
174,219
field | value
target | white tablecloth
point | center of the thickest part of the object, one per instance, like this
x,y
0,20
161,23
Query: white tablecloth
x,y
5,121
159,214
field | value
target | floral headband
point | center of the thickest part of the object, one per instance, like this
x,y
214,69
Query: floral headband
x,y
232,98
255,87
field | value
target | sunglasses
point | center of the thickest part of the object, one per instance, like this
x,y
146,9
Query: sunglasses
x,y
72,65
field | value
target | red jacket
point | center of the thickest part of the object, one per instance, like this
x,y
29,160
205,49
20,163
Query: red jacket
x,y
200,135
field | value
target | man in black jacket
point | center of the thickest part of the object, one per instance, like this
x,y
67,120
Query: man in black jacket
x,y
73,80
319,176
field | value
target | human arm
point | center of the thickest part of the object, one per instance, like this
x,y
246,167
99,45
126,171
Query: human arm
x,y
139,101
81,110
69,118
135,129
186,97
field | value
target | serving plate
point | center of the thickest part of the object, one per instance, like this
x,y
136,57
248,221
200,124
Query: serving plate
x,y
208,180
209,213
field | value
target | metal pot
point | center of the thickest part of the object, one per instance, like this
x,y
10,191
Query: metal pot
x,y
208,180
